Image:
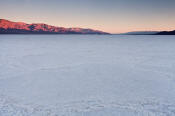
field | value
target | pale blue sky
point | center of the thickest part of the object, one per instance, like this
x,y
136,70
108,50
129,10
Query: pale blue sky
x,y
113,16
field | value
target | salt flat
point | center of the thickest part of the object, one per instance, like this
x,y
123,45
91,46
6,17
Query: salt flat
x,y
87,75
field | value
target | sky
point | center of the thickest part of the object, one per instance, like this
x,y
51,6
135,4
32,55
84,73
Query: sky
x,y
114,16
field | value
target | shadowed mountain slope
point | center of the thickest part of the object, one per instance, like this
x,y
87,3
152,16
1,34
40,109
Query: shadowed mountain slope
x,y
166,33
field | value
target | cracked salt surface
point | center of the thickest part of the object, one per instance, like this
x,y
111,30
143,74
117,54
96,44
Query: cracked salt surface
x,y
87,75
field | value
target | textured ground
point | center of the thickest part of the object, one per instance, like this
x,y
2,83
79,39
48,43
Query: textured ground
x,y
87,75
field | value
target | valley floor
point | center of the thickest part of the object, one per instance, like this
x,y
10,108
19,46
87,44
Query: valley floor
x,y
87,75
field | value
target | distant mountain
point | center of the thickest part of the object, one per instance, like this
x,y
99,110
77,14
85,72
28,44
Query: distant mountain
x,y
9,27
150,33
166,33
141,33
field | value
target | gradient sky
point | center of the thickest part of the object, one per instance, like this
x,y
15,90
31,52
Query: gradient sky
x,y
113,16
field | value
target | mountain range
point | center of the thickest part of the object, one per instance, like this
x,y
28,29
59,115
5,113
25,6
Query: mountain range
x,y
9,27
141,33
166,33
150,33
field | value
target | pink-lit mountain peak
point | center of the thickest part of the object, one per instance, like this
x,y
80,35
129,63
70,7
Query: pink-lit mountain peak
x,y
20,27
